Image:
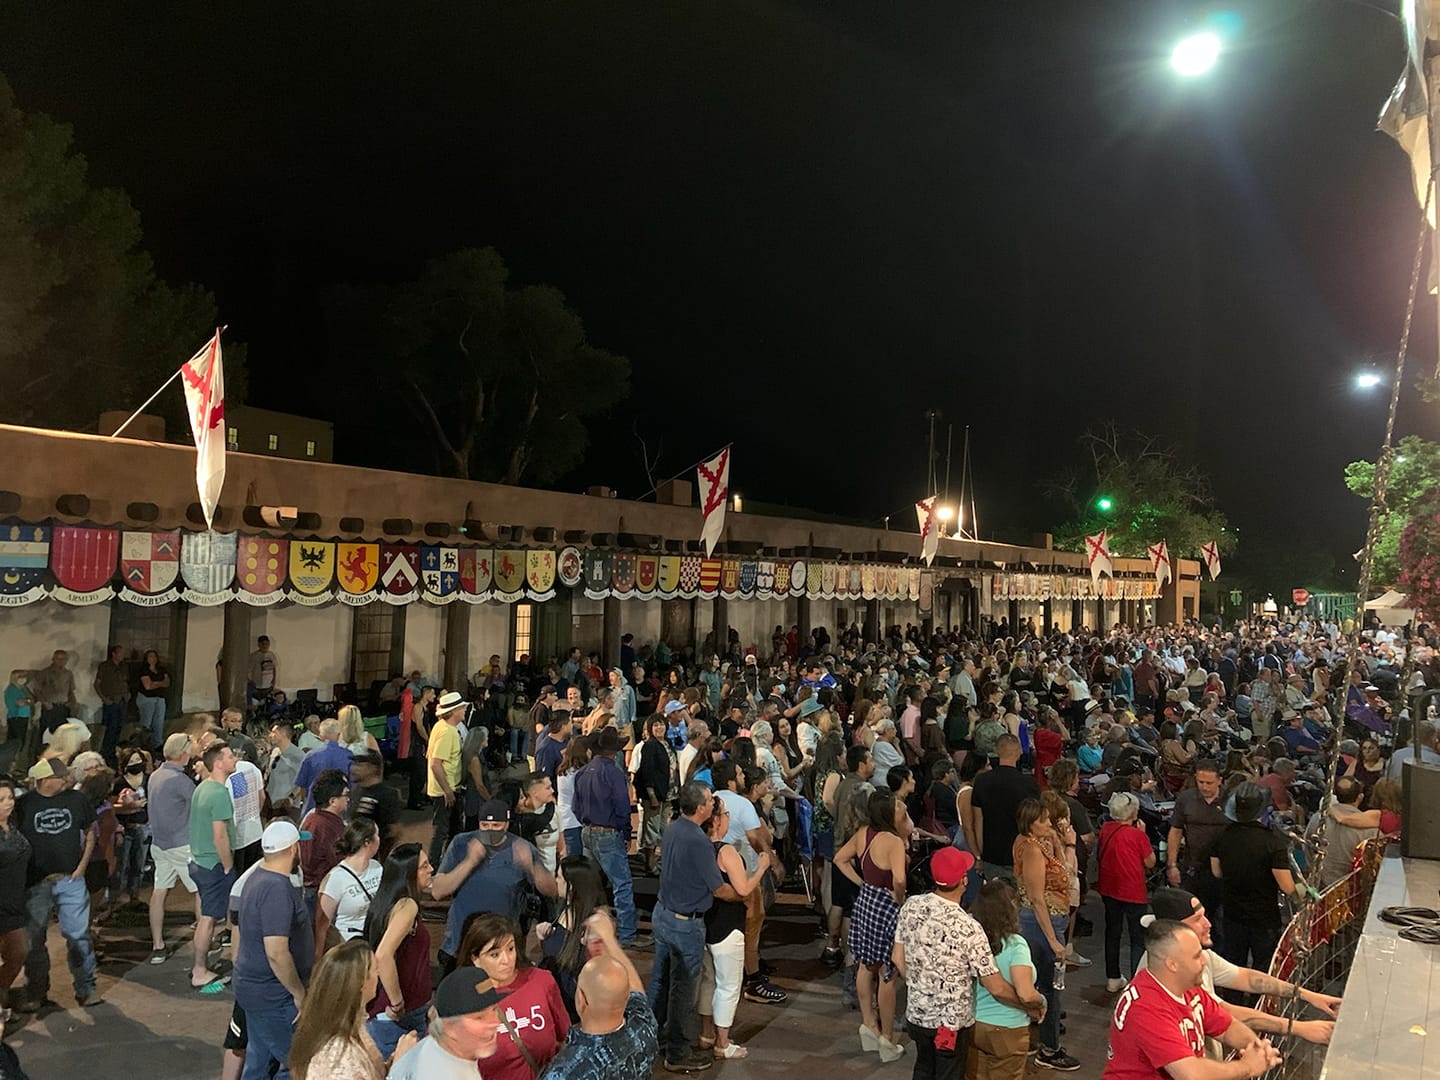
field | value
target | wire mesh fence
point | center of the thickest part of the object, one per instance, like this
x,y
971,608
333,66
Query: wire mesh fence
x,y
1315,953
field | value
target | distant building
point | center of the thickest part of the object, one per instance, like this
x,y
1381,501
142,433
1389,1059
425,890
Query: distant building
x,y
276,434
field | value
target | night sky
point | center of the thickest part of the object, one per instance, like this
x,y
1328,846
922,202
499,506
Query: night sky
x,y
805,224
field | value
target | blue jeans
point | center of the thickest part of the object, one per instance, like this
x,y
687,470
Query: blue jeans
x,y
130,867
268,1036
574,841
674,979
516,742
607,847
152,718
386,1032
72,900
112,716
1044,959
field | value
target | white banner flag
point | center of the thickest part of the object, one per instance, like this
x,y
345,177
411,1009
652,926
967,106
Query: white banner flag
x,y
204,378
1211,554
929,529
1160,562
714,476
1097,549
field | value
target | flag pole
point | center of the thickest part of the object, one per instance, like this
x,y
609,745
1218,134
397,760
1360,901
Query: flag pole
x,y
160,390
142,408
682,472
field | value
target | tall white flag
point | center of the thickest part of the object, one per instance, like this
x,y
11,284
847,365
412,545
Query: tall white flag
x,y
204,378
714,476
1405,116
929,529
1160,562
1097,549
1211,554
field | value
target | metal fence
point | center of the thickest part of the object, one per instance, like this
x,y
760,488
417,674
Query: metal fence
x,y
1315,953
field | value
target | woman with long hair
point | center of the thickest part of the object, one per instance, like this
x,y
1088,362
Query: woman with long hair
x,y
330,1041
353,735
576,757
1044,885
346,891
150,699
1002,1032
14,859
723,971
563,947
398,935
874,859
493,943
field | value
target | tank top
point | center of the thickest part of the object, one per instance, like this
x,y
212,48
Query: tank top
x,y
1057,877
724,916
412,963
869,872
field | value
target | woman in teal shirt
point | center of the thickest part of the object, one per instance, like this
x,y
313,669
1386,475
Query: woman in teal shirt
x,y
1002,1033
17,704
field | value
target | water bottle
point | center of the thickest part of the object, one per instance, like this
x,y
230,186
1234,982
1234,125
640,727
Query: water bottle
x,y
1059,982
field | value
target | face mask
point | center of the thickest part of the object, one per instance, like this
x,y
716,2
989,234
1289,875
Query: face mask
x,y
493,838
134,770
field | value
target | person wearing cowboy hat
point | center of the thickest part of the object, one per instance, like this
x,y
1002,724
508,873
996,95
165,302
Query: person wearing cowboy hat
x,y
602,803
442,755
1252,862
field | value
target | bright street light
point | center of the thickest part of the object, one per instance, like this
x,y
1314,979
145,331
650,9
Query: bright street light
x,y
945,513
1368,380
1196,54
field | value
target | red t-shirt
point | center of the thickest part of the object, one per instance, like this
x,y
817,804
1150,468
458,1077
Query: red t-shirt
x,y
536,1011
1152,1028
1049,746
1279,793
1122,849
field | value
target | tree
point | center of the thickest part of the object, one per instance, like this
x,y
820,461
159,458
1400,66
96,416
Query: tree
x,y
85,325
500,381
1133,486
1414,473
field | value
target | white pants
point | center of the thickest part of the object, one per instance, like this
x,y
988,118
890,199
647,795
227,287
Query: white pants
x,y
721,974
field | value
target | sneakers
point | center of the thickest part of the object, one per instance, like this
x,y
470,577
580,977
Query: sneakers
x,y
1056,1059
765,992
1114,986
1073,957
640,941
691,1064
833,957
89,998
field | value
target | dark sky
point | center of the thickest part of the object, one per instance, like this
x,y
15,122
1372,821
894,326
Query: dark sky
x,y
805,223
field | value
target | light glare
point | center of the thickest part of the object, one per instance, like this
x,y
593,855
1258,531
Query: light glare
x,y
1196,54
1368,380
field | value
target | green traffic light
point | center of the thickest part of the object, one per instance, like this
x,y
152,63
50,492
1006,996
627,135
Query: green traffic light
x,y
1104,504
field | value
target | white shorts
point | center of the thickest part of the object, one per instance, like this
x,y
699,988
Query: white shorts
x,y
172,864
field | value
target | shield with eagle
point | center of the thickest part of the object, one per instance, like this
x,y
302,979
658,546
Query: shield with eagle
x,y
312,566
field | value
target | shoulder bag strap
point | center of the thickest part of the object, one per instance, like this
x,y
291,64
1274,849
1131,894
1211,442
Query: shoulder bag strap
x,y
357,881
519,1043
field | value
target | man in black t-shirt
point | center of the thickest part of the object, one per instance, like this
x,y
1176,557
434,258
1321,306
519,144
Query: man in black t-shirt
x,y
371,797
997,795
56,819
1253,865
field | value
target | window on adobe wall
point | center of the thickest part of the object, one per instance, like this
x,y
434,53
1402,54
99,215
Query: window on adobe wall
x,y
309,447
274,442
524,619
232,438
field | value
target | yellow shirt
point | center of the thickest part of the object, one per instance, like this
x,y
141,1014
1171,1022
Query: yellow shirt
x,y
444,745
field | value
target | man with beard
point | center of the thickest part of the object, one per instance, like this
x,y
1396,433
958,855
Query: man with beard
x,y
483,871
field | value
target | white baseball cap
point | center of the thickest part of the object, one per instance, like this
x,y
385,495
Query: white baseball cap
x,y
279,835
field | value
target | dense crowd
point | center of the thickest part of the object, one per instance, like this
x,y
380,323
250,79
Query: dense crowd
x,y
947,801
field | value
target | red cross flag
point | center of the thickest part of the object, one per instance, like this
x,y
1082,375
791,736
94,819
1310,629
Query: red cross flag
x,y
714,478
929,529
1211,554
1097,550
1160,562
204,378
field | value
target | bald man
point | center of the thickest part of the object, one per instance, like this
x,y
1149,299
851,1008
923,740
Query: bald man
x,y
617,1037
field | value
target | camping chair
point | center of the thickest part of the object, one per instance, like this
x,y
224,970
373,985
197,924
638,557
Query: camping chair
x,y
804,816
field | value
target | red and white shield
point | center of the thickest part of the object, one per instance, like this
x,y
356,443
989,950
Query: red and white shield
x,y
399,568
149,562
84,559
647,569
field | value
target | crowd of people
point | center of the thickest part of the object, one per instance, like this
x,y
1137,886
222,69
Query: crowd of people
x,y
949,800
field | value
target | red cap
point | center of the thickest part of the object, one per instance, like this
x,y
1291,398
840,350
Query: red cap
x,y
950,866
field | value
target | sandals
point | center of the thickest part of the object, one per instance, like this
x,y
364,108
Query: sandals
x,y
705,1043
730,1051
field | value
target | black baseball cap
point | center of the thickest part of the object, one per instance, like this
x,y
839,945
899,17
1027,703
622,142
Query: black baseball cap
x,y
465,991
494,810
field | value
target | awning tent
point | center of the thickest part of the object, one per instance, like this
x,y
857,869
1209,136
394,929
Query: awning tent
x,y
1393,608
